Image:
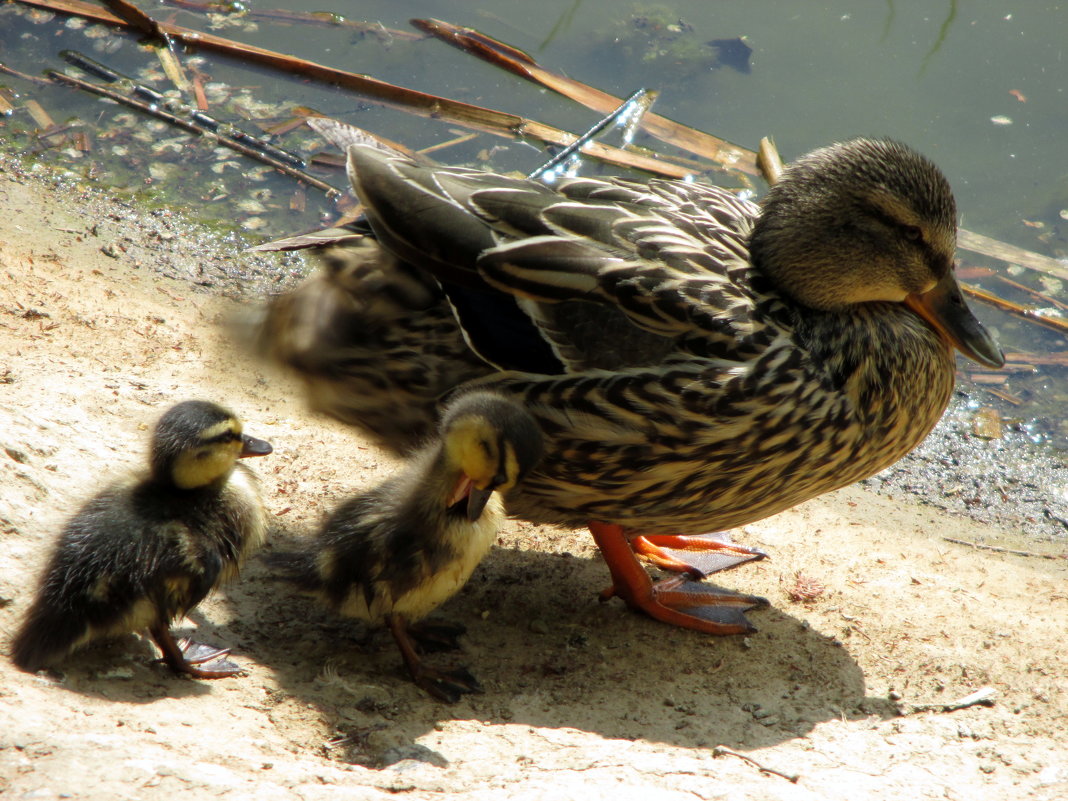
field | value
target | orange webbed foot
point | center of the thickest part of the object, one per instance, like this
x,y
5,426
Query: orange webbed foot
x,y
678,600
699,555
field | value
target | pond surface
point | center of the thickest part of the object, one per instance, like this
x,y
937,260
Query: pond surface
x,y
979,87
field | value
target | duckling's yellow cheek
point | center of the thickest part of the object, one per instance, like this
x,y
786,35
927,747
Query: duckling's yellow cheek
x,y
201,466
472,451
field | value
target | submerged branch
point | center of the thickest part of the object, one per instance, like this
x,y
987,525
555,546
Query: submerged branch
x,y
498,123
192,127
716,150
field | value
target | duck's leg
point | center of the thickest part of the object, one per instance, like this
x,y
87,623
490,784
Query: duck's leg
x,y
187,657
699,555
679,601
445,685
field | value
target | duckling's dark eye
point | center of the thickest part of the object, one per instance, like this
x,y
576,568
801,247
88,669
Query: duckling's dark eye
x,y
913,233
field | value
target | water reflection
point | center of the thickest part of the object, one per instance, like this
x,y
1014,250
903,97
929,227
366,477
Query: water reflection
x,y
943,32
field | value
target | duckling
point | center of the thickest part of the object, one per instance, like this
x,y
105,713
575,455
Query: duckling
x,y
146,551
395,553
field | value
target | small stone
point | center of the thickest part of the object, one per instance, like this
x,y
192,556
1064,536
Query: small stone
x,y
987,423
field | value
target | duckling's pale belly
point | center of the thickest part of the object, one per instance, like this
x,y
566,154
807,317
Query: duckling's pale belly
x,y
470,543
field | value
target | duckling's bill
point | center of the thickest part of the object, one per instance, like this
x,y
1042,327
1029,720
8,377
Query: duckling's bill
x,y
476,498
945,309
250,446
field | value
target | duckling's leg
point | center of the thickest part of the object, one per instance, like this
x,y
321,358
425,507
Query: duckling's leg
x,y
445,685
679,601
432,637
178,658
699,555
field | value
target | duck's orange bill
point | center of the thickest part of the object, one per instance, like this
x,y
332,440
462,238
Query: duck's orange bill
x,y
944,308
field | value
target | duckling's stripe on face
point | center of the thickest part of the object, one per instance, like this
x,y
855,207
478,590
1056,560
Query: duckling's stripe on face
x,y
224,431
508,468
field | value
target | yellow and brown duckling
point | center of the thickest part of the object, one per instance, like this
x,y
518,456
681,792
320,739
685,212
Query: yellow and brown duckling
x,y
395,553
144,552
695,361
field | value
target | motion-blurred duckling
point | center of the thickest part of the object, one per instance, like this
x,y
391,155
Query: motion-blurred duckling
x,y
394,554
146,551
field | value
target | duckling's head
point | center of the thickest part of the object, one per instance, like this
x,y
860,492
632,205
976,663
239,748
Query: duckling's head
x,y
197,443
868,220
493,442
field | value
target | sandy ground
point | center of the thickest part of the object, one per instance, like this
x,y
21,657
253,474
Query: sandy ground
x,y
583,699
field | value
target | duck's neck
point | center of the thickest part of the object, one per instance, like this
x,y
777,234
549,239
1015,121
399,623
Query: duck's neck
x,y
894,368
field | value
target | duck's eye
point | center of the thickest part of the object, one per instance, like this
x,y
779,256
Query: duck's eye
x,y
913,233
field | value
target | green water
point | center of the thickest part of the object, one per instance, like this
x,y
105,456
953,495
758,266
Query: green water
x,y
979,87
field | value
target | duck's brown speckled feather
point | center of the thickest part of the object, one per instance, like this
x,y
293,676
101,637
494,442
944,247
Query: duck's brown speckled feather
x,y
698,395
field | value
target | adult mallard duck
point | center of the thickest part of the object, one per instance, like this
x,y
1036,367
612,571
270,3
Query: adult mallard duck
x,y
695,361
395,553
146,551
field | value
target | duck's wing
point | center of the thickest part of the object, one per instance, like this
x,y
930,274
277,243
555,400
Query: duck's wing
x,y
671,257
373,340
667,261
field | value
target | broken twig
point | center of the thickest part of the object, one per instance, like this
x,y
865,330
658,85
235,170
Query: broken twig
x,y
22,76
498,123
1002,251
997,548
637,103
769,162
722,750
320,18
222,129
193,127
1055,323
514,60
981,697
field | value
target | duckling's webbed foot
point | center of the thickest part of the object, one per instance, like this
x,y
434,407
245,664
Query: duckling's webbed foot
x,y
698,555
445,685
197,653
678,601
195,659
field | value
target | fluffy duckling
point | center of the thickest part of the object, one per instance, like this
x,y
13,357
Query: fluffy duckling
x,y
394,554
146,551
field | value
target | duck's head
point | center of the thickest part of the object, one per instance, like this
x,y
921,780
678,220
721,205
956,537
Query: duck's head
x,y
869,220
197,443
492,442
